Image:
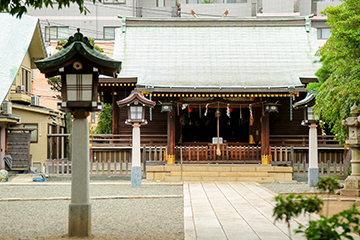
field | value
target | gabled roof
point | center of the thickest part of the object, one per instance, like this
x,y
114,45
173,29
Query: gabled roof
x,y
218,55
135,96
17,36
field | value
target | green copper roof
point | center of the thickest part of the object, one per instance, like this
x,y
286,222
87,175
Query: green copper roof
x,y
310,96
78,44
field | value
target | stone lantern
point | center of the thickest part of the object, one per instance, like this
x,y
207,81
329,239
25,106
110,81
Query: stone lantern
x,y
136,104
79,66
352,182
310,120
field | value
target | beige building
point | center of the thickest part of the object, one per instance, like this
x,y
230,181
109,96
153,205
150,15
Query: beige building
x,y
21,115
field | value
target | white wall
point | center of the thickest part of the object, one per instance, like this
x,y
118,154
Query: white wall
x,y
322,5
278,6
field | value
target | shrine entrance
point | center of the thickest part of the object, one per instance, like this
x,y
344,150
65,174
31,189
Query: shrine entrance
x,y
198,128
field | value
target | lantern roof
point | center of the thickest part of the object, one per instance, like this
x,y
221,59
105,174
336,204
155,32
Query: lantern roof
x,y
78,47
135,98
309,100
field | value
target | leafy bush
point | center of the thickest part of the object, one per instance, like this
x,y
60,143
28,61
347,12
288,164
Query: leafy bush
x,y
336,227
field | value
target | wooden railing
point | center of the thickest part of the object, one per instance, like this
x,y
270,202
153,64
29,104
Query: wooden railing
x,y
281,155
302,140
117,149
208,154
110,160
116,140
338,169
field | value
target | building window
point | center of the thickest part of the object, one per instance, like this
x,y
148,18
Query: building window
x,y
92,117
25,80
160,3
323,33
34,133
109,32
114,1
192,1
56,33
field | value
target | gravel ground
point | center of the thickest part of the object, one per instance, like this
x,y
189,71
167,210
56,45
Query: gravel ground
x,y
156,218
289,187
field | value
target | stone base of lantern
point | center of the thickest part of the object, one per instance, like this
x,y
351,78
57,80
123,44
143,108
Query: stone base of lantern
x,y
79,219
135,176
313,176
352,187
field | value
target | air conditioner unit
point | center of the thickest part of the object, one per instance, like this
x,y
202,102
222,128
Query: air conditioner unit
x,y
7,108
34,100
20,88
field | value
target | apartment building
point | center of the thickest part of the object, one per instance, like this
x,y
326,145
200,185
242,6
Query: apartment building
x,y
101,20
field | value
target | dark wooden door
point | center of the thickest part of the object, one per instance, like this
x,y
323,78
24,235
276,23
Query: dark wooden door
x,y
19,149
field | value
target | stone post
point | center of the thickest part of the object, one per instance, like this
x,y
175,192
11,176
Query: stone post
x,y
313,171
352,182
2,145
135,160
80,207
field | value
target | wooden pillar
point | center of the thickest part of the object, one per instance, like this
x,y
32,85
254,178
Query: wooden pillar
x,y
265,139
115,113
171,136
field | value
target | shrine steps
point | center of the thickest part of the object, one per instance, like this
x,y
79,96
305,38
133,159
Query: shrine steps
x,y
219,172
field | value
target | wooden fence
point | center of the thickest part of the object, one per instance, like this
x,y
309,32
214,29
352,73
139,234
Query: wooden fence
x,y
208,154
302,140
336,169
110,161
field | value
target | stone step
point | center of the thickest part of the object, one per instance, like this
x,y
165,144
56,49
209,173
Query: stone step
x,y
219,174
221,168
239,179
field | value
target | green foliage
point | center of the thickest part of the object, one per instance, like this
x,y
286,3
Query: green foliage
x,y
337,227
292,206
208,1
63,42
55,85
286,207
105,122
328,184
19,7
339,77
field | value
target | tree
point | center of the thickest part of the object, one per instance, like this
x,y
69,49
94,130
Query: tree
x,y
19,7
105,123
339,77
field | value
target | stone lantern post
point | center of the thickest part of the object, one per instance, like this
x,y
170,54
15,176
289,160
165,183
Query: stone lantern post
x,y
79,66
136,104
352,182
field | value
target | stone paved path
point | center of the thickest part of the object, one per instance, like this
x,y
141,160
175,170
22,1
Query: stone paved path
x,y
232,210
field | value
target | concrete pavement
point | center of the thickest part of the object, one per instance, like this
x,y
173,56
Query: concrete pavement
x,y
233,210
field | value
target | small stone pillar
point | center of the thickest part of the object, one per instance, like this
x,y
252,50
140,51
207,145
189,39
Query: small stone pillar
x,y
135,159
313,171
352,182
80,207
